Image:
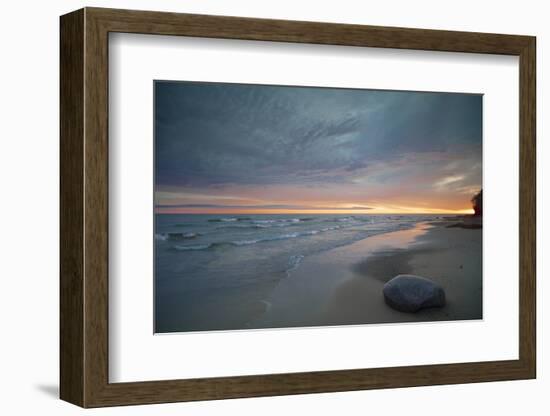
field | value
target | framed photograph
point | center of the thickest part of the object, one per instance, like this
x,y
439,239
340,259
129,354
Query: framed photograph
x,y
255,207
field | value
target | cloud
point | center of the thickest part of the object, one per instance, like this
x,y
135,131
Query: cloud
x,y
215,138
271,206
448,180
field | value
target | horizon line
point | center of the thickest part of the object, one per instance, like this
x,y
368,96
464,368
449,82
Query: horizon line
x,y
457,212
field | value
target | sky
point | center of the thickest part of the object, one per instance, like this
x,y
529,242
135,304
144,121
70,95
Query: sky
x,y
239,148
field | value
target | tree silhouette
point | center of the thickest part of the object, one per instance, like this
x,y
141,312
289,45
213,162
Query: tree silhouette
x,y
477,203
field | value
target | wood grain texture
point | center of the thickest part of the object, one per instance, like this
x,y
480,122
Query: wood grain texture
x,y
84,207
162,23
96,208
72,215
527,207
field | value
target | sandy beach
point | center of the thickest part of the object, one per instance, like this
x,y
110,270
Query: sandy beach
x,y
343,286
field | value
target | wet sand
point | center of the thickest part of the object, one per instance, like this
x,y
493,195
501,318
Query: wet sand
x,y
344,286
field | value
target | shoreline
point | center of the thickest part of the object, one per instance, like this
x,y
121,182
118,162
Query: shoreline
x,y
343,286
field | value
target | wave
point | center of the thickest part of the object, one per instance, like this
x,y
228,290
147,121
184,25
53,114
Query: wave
x,y
293,263
275,221
175,236
262,224
242,226
196,247
263,240
238,243
281,222
229,219
345,219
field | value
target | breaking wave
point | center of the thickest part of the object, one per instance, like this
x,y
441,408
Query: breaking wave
x,y
238,243
175,236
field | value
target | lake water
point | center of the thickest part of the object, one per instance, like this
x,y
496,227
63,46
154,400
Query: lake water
x,y
215,272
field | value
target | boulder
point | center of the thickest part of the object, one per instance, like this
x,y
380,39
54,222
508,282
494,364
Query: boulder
x,y
410,293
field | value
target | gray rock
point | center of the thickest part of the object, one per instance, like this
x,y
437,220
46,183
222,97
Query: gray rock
x,y
410,293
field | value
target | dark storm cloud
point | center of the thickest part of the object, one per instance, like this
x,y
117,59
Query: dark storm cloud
x,y
215,135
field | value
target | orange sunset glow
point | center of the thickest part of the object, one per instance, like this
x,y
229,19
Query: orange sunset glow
x,y
249,149
183,205
381,210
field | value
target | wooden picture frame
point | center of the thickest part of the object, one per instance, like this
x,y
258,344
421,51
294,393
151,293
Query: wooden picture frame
x,y
84,207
